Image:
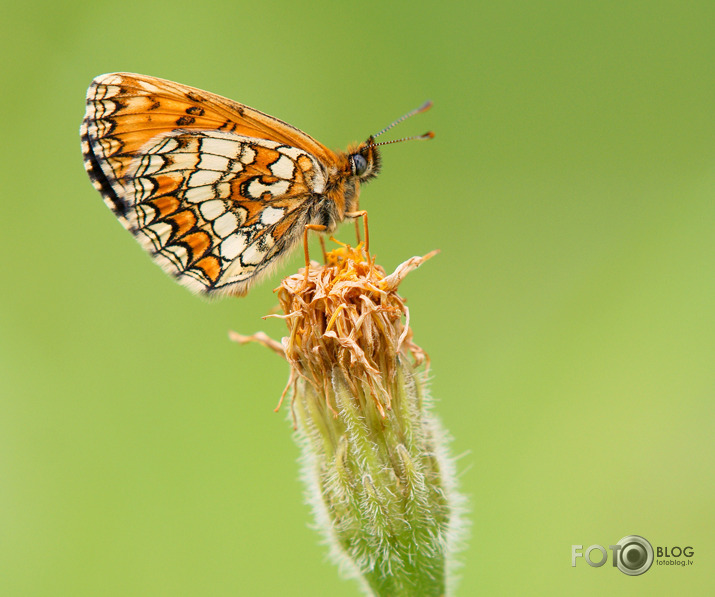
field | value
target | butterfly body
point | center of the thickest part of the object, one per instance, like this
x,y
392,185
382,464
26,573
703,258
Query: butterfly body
x,y
215,191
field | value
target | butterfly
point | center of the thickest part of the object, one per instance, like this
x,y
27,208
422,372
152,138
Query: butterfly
x,y
215,191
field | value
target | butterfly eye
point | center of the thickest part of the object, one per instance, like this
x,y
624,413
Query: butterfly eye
x,y
359,164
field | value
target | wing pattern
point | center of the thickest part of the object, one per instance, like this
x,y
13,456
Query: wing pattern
x,y
214,190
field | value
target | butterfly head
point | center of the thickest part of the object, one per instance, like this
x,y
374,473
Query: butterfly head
x,y
364,160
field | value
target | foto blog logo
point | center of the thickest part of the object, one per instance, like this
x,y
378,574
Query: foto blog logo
x,y
633,555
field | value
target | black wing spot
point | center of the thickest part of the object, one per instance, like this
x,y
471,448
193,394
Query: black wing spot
x,y
228,126
185,120
195,111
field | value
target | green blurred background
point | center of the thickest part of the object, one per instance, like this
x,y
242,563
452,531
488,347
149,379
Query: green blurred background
x,y
570,316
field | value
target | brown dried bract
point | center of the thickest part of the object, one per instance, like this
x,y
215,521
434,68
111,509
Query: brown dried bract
x,y
347,313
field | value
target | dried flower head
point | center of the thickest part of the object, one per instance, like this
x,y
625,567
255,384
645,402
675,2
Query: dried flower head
x,y
374,458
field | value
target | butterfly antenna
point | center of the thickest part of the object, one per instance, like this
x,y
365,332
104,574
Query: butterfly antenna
x,y
427,135
423,108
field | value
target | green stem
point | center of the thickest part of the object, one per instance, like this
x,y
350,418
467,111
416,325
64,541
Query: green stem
x,y
376,482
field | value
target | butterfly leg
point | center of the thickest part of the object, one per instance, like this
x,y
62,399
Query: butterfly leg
x,y
321,238
319,228
363,214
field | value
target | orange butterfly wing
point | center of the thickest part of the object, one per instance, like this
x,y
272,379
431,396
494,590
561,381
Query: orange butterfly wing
x,y
214,190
